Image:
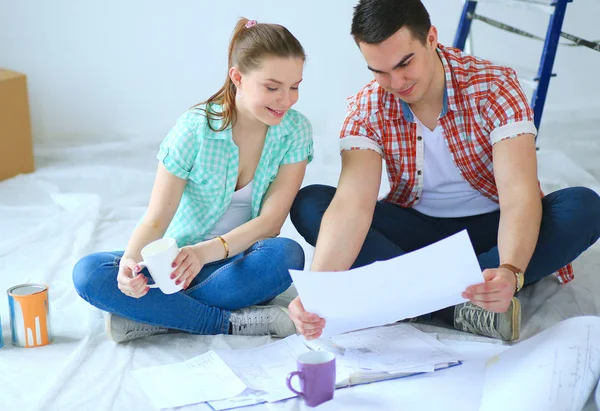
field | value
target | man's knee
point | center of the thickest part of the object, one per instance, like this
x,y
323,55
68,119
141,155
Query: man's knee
x,y
309,205
589,204
584,202
579,207
311,197
589,199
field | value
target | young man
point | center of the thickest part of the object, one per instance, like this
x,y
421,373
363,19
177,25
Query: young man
x,y
458,140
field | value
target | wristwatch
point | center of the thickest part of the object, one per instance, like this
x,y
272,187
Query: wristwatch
x,y
519,275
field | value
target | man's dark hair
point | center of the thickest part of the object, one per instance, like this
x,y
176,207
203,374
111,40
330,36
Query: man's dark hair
x,y
376,20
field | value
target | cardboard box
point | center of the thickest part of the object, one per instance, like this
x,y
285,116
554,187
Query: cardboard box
x,y
16,145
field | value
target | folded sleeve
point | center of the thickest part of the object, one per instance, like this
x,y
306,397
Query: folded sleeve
x,y
179,149
357,133
506,112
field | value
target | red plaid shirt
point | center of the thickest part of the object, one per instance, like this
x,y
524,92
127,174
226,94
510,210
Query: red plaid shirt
x,y
483,104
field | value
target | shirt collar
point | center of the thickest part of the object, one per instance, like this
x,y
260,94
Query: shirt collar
x,y
410,117
450,99
215,123
285,127
449,94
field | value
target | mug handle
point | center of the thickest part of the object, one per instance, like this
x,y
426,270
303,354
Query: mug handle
x,y
143,264
288,382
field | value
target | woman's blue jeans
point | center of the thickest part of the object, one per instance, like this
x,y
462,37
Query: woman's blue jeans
x,y
253,277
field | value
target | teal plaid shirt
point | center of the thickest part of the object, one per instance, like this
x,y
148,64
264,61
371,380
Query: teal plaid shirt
x,y
209,162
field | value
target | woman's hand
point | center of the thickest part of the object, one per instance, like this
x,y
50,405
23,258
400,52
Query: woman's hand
x,y
187,264
128,280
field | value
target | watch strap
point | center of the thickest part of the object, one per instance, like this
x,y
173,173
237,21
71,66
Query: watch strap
x,y
517,272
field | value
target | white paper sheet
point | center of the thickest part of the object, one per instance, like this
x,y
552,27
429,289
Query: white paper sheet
x,y
394,349
563,361
264,369
200,379
384,292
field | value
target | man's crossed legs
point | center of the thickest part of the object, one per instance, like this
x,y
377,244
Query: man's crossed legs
x,y
570,225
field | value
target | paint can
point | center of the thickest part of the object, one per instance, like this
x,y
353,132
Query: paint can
x,y
29,315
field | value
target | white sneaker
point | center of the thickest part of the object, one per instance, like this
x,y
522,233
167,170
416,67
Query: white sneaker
x,y
262,320
121,329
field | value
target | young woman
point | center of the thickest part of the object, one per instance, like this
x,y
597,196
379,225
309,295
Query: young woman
x,y
228,173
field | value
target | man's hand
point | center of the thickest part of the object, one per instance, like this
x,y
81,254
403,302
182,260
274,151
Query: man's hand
x,y
309,325
497,291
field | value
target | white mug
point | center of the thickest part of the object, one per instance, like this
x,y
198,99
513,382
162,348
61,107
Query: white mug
x,y
158,257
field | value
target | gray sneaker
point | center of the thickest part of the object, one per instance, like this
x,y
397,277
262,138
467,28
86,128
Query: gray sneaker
x,y
503,326
262,320
121,329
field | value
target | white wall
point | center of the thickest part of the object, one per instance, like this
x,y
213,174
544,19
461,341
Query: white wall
x,y
575,92
128,68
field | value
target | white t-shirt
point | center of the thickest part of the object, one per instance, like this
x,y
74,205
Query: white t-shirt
x,y
445,192
239,212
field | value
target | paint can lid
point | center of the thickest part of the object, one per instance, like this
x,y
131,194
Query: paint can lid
x,y
26,289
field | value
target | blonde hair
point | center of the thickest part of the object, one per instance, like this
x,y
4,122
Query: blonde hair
x,y
248,47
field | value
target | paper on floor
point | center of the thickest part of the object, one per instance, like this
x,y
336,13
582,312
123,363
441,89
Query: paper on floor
x,y
264,369
554,370
219,377
200,379
397,348
382,353
251,376
384,292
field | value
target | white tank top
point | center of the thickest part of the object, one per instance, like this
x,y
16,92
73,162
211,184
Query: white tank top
x,y
445,192
239,212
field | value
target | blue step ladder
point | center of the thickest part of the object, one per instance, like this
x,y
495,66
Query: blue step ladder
x,y
544,72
